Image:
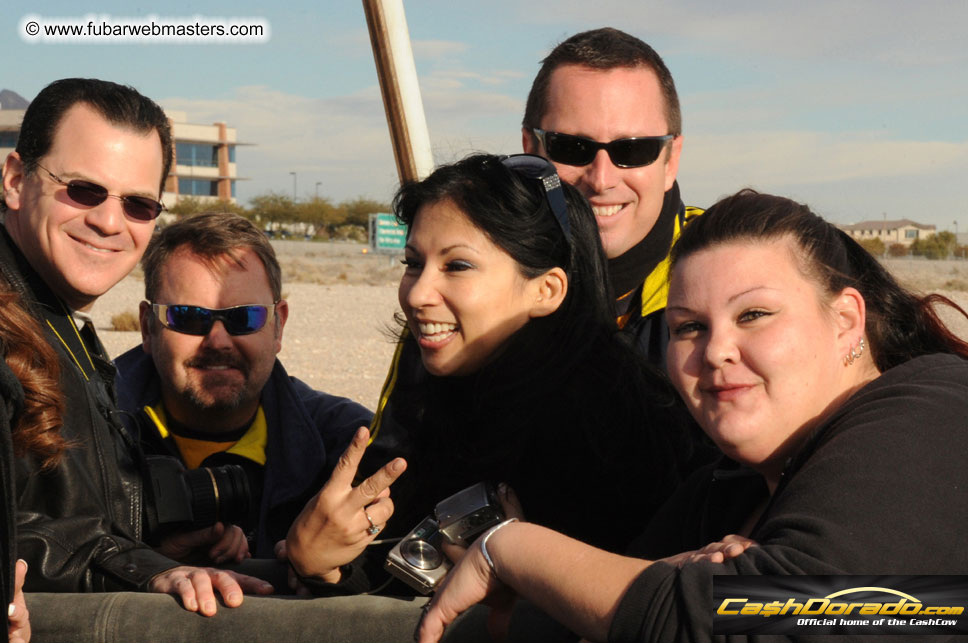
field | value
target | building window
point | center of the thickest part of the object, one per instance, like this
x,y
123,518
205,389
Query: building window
x,y
231,154
233,189
8,139
197,187
197,154
910,234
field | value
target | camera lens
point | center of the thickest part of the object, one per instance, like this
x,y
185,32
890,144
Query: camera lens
x,y
219,494
421,554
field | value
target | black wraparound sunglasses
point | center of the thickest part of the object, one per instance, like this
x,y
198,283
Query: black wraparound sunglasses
x,y
569,149
196,320
89,194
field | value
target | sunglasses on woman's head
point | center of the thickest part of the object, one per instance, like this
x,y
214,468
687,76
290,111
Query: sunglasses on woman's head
x,y
196,320
539,168
637,151
89,194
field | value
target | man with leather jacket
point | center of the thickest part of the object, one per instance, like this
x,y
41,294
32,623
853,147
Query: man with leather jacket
x,y
80,196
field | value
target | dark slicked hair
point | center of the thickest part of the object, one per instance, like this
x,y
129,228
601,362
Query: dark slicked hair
x,y
602,49
119,104
900,324
210,236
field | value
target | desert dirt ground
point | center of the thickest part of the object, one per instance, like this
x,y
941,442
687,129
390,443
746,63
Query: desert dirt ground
x,y
339,335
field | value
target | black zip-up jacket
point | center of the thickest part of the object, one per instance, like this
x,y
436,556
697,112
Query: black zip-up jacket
x,y
79,525
307,432
880,488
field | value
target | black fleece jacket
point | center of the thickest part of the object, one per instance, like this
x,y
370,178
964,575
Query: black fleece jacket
x,y
880,488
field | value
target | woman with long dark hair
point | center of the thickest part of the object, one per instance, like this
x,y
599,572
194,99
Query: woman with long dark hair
x,y
511,369
523,377
839,400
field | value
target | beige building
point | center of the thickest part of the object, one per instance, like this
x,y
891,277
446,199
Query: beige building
x,y
903,231
204,166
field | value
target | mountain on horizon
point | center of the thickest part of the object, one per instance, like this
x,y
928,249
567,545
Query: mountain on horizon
x,y
12,100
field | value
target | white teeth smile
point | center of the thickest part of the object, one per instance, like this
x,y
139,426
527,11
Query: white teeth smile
x,y
606,210
436,332
97,249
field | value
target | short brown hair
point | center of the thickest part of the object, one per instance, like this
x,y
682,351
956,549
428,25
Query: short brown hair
x,y
210,235
602,49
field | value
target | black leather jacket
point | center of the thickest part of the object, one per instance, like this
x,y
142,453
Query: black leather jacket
x,y
79,526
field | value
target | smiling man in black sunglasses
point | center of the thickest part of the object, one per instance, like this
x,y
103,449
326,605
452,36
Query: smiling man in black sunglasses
x,y
604,109
80,197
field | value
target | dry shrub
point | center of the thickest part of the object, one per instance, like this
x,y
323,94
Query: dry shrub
x,y
956,284
349,232
126,321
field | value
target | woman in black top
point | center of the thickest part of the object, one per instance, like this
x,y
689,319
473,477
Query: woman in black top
x,y
523,378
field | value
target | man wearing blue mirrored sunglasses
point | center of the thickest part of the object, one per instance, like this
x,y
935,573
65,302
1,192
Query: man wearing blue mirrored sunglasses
x,y
205,385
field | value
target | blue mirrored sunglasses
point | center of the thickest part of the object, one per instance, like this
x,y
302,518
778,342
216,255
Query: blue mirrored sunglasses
x,y
196,320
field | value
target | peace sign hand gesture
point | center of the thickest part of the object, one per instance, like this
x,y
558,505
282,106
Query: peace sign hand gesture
x,y
339,522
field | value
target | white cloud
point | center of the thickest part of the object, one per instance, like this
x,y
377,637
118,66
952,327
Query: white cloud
x,y
898,31
848,177
437,49
344,141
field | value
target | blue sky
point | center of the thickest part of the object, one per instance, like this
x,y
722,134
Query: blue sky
x,y
859,108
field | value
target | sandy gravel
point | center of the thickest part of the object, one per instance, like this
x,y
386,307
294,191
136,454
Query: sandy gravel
x,y
336,337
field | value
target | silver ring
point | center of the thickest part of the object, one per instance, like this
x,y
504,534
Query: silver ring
x,y
372,530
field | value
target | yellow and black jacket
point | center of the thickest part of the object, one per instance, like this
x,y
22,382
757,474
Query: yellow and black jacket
x,y
645,320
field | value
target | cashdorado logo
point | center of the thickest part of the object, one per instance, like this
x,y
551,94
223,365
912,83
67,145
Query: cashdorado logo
x,y
840,605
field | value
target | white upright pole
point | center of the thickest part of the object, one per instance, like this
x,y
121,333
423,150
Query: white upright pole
x,y
397,72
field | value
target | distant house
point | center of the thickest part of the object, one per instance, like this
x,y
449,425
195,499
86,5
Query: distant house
x,y
903,231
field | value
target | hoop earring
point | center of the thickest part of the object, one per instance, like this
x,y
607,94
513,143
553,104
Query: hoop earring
x,y
854,354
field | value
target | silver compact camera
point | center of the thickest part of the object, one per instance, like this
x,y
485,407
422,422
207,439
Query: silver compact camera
x,y
418,559
469,513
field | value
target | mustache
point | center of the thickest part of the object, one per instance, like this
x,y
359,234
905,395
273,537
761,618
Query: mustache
x,y
209,359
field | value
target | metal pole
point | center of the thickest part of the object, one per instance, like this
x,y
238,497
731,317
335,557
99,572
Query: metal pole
x,y
397,73
293,186
318,183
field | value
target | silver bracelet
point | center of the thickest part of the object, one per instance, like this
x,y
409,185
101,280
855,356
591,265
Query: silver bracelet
x,y
487,556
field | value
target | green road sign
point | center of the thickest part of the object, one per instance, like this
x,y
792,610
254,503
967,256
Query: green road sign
x,y
386,235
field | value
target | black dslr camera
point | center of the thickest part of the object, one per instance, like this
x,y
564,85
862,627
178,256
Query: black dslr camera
x,y
418,559
178,499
